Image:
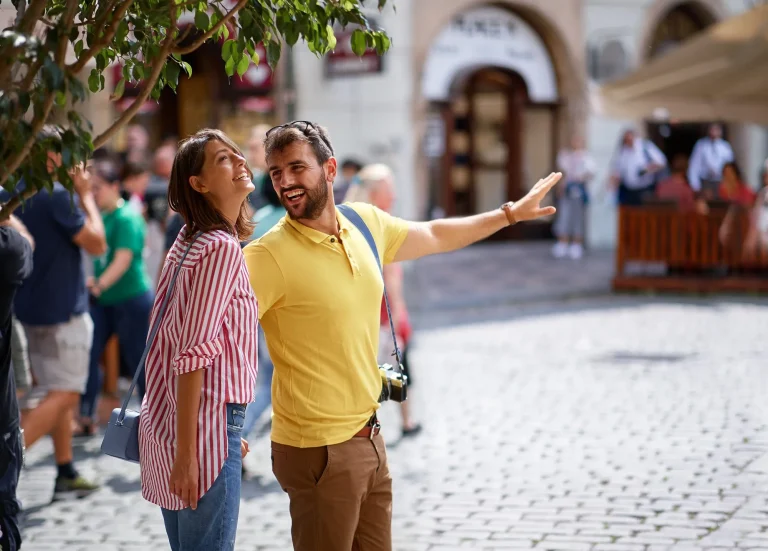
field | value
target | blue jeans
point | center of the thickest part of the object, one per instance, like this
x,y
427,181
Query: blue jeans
x,y
213,525
10,469
130,321
263,391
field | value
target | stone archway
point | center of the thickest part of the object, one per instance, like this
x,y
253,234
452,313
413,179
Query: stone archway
x,y
562,91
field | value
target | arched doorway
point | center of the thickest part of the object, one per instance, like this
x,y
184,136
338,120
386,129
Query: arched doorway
x,y
492,81
678,24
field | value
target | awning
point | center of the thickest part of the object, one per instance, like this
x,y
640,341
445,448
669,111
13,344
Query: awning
x,y
719,74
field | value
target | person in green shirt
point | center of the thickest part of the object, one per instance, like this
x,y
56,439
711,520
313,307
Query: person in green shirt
x,y
120,288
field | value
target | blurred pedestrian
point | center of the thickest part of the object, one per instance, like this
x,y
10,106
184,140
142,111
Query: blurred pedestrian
x,y
347,187
636,168
319,291
120,289
379,187
52,304
709,156
201,367
16,246
258,165
578,169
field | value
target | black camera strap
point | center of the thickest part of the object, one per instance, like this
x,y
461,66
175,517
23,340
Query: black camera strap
x,y
360,224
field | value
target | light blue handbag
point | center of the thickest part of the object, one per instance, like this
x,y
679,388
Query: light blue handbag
x,y
121,438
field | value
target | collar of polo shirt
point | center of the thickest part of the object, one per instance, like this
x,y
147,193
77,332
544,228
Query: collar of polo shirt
x,y
318,236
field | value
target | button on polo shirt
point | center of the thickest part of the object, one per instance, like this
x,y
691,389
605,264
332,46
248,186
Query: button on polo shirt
x,y
319,304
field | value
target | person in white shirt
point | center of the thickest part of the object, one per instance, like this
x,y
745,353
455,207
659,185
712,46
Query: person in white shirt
x,y
710,155
578,169
636,168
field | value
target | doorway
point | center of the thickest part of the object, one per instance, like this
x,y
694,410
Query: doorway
x,y
497,141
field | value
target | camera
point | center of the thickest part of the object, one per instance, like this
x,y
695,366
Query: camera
x,y
394,384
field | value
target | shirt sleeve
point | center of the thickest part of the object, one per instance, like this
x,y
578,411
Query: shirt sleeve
x,y
694,167
15,257
265,276
130,234
388,231
206,305
655,153
66,211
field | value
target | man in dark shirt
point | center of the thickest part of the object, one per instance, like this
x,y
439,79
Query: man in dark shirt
x,y
15,266
52,305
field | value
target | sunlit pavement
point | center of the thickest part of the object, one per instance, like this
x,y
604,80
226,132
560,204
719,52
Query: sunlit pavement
x,y
600,424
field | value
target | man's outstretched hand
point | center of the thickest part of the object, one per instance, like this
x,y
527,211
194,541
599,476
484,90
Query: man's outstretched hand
x,y
528,208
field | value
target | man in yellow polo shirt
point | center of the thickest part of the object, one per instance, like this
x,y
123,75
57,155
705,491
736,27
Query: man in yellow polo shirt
x,y
319,291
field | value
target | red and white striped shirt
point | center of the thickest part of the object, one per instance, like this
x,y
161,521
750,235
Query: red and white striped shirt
x,y
210,323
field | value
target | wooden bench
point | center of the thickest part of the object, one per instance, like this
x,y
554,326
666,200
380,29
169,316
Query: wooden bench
x,y
688,247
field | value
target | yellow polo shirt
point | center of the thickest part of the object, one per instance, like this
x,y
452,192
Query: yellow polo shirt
x,y
319,305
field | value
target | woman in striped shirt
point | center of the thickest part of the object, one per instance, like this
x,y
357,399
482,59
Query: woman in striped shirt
x,y
201,368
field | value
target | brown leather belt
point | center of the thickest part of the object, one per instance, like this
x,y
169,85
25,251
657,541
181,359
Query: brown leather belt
x,y
371,429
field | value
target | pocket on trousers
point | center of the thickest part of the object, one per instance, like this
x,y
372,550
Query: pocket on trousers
x,y
301,468
320,473
236,421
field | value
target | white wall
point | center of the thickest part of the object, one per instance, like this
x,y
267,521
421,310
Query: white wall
x,y
615,19
368,117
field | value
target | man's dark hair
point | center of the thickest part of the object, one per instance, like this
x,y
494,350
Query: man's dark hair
x,y
315,135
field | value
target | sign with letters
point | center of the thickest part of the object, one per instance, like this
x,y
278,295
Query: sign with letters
x,y
489,37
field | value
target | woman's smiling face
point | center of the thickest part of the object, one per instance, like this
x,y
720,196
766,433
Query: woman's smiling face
x,y
225,176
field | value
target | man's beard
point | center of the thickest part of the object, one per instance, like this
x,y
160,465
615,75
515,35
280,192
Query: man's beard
x,y
314,201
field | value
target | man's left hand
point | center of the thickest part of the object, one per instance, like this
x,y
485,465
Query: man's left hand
x,y
528,208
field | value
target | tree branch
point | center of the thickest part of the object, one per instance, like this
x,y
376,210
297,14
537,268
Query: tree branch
x,y
42,116
7,209
212,31
148,84
102,41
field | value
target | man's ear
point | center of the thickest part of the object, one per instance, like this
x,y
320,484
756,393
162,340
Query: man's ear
x,y
330,170
197,184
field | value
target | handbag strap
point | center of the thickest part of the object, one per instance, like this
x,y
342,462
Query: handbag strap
x,y
155,329
360,224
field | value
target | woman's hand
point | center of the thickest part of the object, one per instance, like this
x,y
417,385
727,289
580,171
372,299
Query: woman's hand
x,y
185,478
244,449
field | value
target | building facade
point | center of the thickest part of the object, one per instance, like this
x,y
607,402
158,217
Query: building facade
x,y
474,99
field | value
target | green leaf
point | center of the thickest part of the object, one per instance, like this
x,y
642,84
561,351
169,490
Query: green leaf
x,y
331,38
358,42
119,89
242,65
187,68
222,32
273,53
382,43
201,21
229,67
226,50
60,98
94,81
172,71
255,58
78,48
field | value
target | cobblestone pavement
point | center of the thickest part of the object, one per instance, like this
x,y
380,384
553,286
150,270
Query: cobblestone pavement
x,y
510,273
631,425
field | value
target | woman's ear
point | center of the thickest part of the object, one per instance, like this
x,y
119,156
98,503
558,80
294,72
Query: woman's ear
x,y
197,184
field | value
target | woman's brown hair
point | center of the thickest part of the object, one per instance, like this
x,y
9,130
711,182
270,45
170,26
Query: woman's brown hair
x,y
198,213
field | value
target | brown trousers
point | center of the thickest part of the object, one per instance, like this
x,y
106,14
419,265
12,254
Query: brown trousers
x,y
341,495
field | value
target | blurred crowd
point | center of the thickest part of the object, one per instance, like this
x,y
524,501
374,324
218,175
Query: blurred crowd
x,y
640,174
